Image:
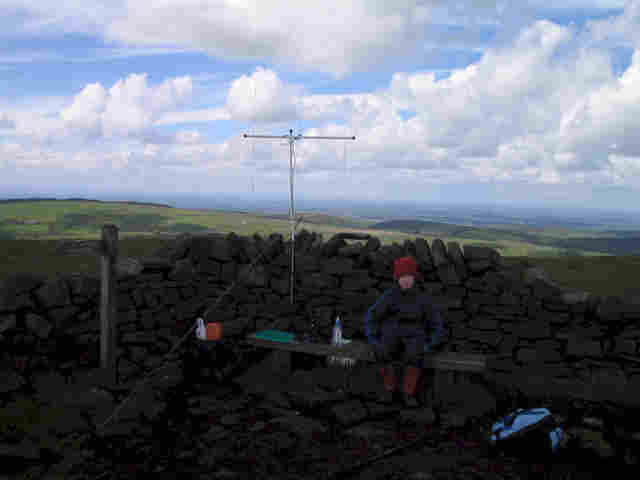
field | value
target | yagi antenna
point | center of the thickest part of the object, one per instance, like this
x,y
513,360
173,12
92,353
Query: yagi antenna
x,y
291,139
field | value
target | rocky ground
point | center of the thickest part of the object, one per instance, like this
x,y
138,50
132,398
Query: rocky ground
x,y
219,428
257,442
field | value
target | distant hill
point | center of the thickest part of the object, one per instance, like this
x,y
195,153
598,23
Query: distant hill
x,y
421,227
19,200
322,219
618,243
438,228
613,242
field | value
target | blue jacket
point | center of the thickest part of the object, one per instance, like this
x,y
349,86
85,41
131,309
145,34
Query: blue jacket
x,y
410,303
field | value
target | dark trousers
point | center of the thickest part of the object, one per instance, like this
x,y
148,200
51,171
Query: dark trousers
x,y
394,336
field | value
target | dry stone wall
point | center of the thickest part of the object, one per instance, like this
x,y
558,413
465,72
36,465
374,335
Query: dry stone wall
x,y
538,337
541,341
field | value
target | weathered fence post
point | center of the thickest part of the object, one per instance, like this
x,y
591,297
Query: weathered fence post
x,y
108,319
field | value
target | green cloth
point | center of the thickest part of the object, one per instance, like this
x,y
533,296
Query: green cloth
x,y
276,336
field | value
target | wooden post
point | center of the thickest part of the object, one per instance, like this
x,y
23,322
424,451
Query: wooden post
x,y
109,255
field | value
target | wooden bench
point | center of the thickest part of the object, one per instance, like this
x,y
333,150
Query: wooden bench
x,y
445,364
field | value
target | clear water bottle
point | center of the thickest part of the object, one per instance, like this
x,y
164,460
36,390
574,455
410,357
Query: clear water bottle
x,y
337,332
201,332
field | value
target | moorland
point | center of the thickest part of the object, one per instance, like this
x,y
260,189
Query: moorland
x,y
602,263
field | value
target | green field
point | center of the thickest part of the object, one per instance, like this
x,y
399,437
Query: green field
x,y
30,247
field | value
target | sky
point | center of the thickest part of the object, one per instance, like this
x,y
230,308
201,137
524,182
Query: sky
x,y
493,102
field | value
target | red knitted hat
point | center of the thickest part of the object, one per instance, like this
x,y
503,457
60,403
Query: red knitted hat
x,y
405,266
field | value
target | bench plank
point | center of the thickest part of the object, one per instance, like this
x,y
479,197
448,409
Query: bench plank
x,y
363,351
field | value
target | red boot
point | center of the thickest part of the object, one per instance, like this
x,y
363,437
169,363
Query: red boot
x,y
390,385
412,378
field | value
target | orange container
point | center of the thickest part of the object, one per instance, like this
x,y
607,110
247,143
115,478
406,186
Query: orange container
x,y
214,331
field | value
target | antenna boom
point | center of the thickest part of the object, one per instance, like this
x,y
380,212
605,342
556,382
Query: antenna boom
x,y
291,139
296,137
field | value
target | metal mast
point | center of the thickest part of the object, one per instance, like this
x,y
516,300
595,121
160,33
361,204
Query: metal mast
x,y
291,138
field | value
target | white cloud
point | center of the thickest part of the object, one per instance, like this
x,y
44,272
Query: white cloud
x,y
478,112
188,137
151,150
326,107
95,55
607,115
128,108
545,108
509,93
31,157
511,111
37,127
194,116
620,29
333,36
46,106
86,111
262,97
83,161
11,148
47,17
578,4
6,121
